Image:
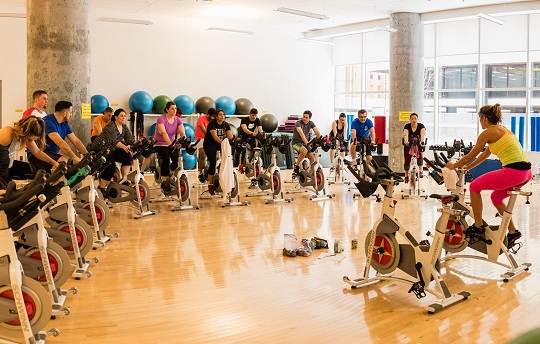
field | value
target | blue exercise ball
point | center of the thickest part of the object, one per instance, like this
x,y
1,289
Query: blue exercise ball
x,y
185,103
226,104
98,103
190,161
141,101
203,104
243,106
269,123
152,130
190,131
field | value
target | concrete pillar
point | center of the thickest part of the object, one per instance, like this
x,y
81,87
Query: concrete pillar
x,y
406,79
58,53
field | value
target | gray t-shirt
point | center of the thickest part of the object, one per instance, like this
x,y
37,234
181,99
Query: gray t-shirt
x,y
306,128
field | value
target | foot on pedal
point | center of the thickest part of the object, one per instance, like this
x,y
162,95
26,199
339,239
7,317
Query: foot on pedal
x,y
512,237
201,178
474,230
165,186
406,180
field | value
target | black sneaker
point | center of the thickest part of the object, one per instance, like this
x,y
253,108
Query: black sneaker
x,y
201,178
512,237
406,181
165,186
473,230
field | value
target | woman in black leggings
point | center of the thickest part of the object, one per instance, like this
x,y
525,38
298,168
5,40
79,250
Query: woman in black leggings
x,y
216,131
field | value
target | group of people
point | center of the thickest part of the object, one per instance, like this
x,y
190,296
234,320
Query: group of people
x,y
45,137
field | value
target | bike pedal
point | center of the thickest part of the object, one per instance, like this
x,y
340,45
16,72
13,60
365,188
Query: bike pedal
x,y
418,290
512,249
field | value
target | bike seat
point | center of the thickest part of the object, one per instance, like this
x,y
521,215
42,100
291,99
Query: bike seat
x,y
445,198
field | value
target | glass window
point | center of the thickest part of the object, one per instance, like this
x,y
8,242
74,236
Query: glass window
x,y
458,118
457,77
348,79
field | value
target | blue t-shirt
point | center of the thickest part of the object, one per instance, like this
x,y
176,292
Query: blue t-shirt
x,y
52,126
362,129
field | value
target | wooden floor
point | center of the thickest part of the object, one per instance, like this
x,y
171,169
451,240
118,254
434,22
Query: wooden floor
x,y
217,275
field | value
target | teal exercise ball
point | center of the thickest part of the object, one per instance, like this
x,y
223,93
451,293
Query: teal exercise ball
x,y
185,103
227,104
98,103
152,130
190,131
190,161
203,104
243,106
159,104
141,101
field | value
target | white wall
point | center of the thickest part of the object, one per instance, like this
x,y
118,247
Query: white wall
x,y
13,68
278,73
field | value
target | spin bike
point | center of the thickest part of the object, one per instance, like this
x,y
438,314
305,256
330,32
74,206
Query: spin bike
x,y
493,242
133,188
89,206
66,228
43,260
270,178
337,171
179,180
360,168
312,174
219,192
251,167
25,305
414,190
421,262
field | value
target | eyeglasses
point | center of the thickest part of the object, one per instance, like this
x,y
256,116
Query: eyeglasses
x,y
362,116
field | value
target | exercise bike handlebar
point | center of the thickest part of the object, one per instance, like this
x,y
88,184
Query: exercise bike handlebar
x,y
14,198
57,174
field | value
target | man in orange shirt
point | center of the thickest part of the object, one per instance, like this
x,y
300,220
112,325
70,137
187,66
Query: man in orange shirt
x,y
100,122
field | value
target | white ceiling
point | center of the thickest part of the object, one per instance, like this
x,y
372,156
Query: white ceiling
x,y
253,14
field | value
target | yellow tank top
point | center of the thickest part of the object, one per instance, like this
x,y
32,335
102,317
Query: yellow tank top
x,y
508,149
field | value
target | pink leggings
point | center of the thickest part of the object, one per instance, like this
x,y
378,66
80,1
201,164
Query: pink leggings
x,y
501,181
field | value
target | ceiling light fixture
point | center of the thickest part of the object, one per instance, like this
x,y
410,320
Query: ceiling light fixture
x,y
125,21
491,18
302,13
215,28
315,41
13,15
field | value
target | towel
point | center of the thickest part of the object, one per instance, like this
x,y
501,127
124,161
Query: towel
x,y
226,176
450,178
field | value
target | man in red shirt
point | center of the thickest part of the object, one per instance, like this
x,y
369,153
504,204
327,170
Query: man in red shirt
x,y
41,100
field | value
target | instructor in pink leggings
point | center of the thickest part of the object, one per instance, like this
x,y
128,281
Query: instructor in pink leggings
x,y
515,172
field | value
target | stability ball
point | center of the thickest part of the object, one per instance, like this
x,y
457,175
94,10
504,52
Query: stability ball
x,y
234,130
141,101
185,103
531,337
203,104
152,130
269,122
190,161
159,104
226,104
190,131
243,106
98,103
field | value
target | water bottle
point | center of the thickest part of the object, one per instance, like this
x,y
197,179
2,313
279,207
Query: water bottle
x,y
83,172
437,177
